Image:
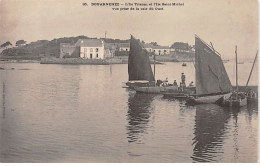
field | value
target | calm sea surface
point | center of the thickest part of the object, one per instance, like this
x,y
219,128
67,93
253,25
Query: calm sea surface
x,y
81,113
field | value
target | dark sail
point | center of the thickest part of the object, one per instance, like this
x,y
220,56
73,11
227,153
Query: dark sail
x,y
139,67
211,76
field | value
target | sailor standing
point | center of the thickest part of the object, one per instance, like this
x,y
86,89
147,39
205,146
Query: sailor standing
x,y
183,79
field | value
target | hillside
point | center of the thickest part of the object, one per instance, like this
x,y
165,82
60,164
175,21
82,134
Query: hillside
x,y
45,48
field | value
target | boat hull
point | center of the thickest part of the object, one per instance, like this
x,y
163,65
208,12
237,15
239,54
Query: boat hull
x,y
180,94
176,95
154,89
207,99
252,100
235,103
138,83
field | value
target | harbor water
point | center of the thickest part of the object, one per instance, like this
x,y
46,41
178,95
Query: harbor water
x,y
82,113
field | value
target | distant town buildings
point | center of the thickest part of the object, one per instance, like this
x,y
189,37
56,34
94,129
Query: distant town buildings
x,y
158,50
123,46
161,50
91,48
148,47
67,50
83,48
99,49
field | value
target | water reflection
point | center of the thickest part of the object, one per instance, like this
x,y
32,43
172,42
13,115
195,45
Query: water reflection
x,y
138,115
210,125
3,100
251,109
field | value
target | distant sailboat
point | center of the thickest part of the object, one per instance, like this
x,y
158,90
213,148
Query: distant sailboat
x,y
212,81
139,67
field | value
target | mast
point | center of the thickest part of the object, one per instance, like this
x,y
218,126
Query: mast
x,y
252,69
236,70
154,65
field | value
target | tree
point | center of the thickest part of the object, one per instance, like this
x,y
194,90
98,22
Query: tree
x,y
20,42
180,46
5,45
154,43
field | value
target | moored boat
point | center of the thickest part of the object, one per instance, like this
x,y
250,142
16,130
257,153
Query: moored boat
x,y
137,83
180,94
236,99
212,82
139,68
155,89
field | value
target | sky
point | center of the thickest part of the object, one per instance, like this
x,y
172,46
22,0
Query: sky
x,y
225,23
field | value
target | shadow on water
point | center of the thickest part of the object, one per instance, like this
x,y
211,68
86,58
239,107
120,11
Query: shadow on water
x,y
211,124
138,115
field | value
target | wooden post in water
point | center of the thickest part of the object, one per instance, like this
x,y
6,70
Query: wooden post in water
x,y
252,69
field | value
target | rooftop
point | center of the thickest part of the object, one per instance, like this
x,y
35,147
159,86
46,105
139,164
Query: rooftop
x,y
161,47
124,45
89,42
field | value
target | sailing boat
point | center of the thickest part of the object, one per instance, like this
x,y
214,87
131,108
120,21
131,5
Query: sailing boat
x,y
139,67
237,99
212,82
140,71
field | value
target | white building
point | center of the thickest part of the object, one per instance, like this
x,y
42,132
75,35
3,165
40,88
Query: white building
x,y
148,47
91,48
161,50
124,46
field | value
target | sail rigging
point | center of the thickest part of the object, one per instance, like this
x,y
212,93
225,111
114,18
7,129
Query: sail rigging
x,y
139,67
211,76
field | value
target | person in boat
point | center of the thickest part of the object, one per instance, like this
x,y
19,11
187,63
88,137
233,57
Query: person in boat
x,y
159,82
191,84
183,79
181,86
165,83
251,94
175,83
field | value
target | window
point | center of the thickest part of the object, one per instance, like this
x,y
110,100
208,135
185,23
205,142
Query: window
x,y
85,50
97,55
90,56
91,49
165,51
96,49
126,49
